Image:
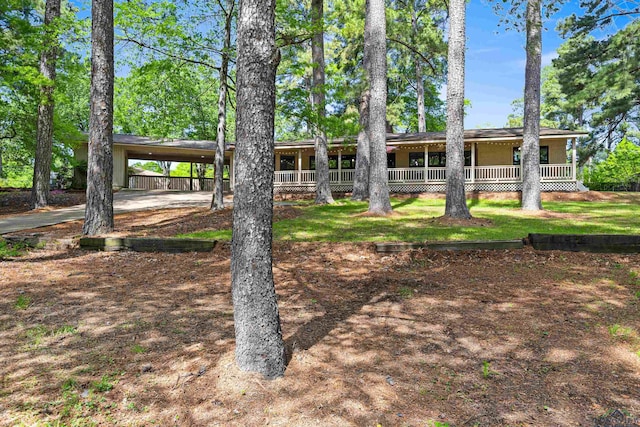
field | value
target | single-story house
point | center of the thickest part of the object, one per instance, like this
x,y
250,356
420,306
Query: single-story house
x,y
416,162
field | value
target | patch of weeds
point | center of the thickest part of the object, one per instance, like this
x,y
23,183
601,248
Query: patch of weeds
x,y
69,384
405,292
65,329
314,301
23,302
138,349
619,331
36,335
486,370
105,384
637,294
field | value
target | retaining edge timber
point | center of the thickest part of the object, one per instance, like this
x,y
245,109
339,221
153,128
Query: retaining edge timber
x,y
144,244
464,245
599,243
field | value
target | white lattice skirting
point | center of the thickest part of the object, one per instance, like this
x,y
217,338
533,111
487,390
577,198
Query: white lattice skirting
x,y
568,186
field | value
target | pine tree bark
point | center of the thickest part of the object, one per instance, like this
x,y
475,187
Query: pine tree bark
x,y
422,121
259,344
363,152
323,185
217,203
531,200
379,202
98,217
44,145
361,175
456,204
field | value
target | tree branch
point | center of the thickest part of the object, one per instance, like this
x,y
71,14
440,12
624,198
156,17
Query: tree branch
x,y
167,54
412,49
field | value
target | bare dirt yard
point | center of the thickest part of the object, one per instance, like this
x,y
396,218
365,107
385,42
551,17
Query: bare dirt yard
x,y
485,338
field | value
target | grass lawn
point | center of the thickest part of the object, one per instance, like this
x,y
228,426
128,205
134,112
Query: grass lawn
x,y
415,220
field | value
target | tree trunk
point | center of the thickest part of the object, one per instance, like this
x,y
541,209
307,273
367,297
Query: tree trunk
x,y
323,185
422,121
98,217
44,146
363,153
361,177
218,164
166,167
379,203
531,134
201,172
259,344
456,204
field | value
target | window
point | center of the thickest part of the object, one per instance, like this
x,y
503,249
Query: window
x,y
287,163
467,158
416,160
438,159
391,160
544,155
348,162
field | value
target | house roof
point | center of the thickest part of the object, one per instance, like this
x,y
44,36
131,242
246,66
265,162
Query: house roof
x,y
470,135
138,143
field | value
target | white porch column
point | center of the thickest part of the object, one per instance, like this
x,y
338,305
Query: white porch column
x,y
573,159
339,166
473,162
426,162
299,166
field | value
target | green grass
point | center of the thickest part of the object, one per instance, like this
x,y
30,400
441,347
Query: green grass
x,y
23,302
412,222
11,249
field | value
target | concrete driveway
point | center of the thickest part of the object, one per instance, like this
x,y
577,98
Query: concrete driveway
x,y
123,201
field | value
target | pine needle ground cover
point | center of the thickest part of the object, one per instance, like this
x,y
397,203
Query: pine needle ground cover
x,y
510,337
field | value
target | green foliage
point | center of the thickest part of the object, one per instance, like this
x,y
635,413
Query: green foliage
x,y
11,249
22,40
149,166
138,349
598,74
103,385
620,171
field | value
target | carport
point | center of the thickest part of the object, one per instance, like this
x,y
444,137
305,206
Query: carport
x,y
126,147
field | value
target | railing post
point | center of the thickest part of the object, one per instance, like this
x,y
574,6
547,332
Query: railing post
x,y
339,166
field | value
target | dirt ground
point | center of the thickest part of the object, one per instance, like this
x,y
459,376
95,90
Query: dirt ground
x,y
485,338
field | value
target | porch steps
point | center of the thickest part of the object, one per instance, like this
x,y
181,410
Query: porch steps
x,y
466,245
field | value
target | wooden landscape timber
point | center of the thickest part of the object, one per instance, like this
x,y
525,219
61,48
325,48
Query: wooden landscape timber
x,y
140,244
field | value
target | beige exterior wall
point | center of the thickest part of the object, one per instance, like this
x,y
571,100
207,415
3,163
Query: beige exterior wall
x,y
119,167
487,154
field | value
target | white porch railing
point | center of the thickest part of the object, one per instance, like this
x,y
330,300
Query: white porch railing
x,y
484,174
556,172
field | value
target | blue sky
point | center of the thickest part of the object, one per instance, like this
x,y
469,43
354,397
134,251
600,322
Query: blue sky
x,y
495,63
